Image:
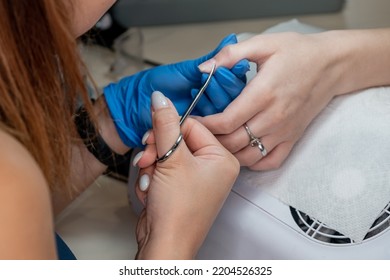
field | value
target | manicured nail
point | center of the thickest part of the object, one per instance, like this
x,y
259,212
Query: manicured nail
x,y
145,137
137,158
159,100
144,182
206,66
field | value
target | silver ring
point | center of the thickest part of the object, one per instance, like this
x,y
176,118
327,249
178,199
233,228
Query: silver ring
x,y
250,134
255,141
171,150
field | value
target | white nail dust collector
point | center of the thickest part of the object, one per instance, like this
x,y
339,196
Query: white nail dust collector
x,y
254,225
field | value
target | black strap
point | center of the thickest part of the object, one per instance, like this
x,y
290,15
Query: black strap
x,y
95,143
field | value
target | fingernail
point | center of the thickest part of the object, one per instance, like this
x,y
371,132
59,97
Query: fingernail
x,y
159,100
145,137
206,66
137,158
144,182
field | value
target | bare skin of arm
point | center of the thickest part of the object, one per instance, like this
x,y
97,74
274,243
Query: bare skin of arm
x,y
25,207
26,203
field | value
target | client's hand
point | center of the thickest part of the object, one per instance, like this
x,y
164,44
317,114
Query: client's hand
x,y
297,76
129,99
185,192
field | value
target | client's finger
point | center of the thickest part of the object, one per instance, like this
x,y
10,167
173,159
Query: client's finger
x,y
231,84
197,136
217,94
204,107
240,69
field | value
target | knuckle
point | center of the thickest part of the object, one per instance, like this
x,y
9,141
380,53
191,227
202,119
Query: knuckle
x,y
267,90
279,116
228,52
268,94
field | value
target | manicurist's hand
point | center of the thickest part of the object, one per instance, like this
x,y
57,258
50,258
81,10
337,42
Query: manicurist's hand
x,y
183,194
297,77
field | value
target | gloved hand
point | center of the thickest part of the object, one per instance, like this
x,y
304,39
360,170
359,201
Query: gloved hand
x,y
129,100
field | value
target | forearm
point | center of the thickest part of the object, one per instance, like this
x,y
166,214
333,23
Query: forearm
x,y
359,58
85,167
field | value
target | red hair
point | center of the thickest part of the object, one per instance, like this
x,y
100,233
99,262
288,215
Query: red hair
x,y
40,82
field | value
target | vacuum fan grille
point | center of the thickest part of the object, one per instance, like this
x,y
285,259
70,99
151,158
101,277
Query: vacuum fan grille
x,y
319,231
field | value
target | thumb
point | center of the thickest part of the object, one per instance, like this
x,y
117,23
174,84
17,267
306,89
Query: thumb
x,y
166,126
190,68
253,49
228,40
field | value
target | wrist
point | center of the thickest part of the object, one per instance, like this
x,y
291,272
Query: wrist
x,y
359,59
107,127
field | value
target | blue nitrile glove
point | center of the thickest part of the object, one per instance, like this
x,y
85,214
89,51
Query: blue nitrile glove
x,y
129,100
223,89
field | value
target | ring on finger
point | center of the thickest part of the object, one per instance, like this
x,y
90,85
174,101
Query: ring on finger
x,y
255,141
